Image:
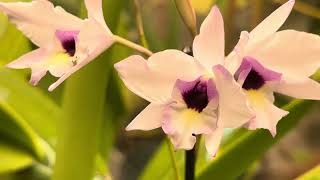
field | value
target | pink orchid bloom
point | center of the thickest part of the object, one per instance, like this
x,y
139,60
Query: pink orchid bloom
x,y
188,95
66,43
266,61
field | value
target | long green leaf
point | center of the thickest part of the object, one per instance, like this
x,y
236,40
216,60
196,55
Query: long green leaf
x,y
12,158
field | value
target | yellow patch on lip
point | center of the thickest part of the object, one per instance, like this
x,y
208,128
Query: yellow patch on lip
x,y
59,59
190,114
257,98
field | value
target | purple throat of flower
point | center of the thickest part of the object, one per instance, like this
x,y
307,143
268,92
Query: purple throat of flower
x,y
254,75
68,41
197,94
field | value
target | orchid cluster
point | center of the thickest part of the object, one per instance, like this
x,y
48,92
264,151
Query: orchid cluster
x,y
201,92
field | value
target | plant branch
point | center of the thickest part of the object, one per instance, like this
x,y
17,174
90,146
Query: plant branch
x,y
132,45
173,159
137,10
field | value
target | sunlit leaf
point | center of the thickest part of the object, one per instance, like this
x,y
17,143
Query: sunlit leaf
x,y
313,174
12,158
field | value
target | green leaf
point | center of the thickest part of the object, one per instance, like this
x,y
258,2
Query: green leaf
x,y
313,174
13,158
37,109
14,128
160,166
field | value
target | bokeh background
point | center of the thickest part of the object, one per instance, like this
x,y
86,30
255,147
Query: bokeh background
x,y
29,115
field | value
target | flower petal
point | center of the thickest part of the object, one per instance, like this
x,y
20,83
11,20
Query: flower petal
x,y
29,59
95,11
39,20
89,46
213,140
293,53
234,110
154,79
182,124
267,114
32,60
208,46
302,89
272,23
150,118
36,76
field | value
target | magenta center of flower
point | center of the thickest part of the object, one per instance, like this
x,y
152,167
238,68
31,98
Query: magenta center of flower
x,y
254,75
69,45
196,98
68,40
253,81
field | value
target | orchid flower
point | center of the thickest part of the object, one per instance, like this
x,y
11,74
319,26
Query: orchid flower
x,y
266,61
188,95
66,43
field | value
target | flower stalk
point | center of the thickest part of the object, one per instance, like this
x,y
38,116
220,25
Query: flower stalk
x,y
132,45
190,164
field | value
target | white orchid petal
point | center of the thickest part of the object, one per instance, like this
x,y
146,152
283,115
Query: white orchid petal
x,y
305,88
154,79
150,118
234,110
292,53
39,20
272,23
208,46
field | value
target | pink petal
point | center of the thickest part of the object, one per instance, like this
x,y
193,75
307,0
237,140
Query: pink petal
x,y
95,11
234,110
267,114
36,76
208,46
32,60
272,23
154,79
89,46
233,60
39,20
150,118
182,124
292,53
29,59
213,140
305,88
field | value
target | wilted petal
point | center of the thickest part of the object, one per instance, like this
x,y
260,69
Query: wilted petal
x,y
267,114
272,23
234,110
305,88
182,124
150,118
213,141
208,46
293,53
154,79
39,20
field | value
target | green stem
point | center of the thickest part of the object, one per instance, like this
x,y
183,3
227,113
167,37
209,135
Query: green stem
x,y
173,159
137,10
132,45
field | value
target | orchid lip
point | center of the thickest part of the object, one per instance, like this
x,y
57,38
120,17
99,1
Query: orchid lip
x,y
68,41
254,75
197,97
253,81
